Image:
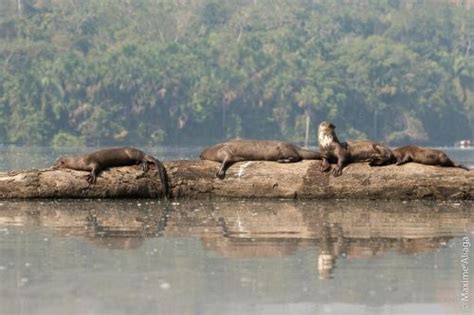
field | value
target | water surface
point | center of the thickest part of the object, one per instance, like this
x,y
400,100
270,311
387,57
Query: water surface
x,y
227,257
230,257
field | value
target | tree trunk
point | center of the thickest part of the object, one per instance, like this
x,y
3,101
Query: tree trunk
x,y
20,7
196,179
306,135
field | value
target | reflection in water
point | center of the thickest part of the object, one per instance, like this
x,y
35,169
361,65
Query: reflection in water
x,y
330,240
121,235
329,250
253,229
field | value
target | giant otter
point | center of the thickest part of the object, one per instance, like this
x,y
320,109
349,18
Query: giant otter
x,y
96,161
343,153
413,153
255,150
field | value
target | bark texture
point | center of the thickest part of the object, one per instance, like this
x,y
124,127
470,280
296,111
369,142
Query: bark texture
x,y
196,179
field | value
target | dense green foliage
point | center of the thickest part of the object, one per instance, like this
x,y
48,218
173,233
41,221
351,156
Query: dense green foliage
x,y
197,71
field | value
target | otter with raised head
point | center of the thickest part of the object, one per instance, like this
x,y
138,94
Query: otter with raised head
x,y
344,153
427,156
255,150
96,161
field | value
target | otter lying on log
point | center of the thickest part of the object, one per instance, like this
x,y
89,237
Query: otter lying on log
x,y
427,156
376,153
255,150
96,161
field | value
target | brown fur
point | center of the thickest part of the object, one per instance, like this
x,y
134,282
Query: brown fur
x,y
255,150
376,153
96,161
427,156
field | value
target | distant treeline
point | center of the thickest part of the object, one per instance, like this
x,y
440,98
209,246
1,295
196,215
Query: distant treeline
x,y
103,72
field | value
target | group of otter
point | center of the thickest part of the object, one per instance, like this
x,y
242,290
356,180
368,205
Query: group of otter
x,y
332,151
376,153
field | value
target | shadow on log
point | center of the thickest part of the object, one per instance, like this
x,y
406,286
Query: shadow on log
x,y
196,179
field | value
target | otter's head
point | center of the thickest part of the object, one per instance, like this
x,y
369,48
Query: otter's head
x,y
326,127
326,134
61,162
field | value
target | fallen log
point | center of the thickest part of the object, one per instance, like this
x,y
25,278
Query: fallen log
x,y
257,179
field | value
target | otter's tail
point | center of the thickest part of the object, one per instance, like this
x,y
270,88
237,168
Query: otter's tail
x,y
462,166
163,176
446,161
310,155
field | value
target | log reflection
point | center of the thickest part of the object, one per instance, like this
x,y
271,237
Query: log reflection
x,y
334,230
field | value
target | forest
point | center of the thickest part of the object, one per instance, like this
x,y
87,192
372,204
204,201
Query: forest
x,y
180,72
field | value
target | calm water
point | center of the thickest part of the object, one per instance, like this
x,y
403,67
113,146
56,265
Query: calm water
x,y
231,257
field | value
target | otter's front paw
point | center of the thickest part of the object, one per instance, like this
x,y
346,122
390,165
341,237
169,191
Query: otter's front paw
x,y
91,179
220,174
337,172
325,168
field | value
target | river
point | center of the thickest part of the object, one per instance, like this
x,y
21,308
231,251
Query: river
x,y
232,256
